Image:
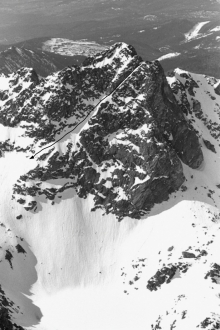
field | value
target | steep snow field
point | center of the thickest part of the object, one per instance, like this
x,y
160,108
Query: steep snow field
x,y
80,256
84,270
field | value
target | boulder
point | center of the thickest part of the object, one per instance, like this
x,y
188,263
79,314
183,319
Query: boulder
x,y
188,255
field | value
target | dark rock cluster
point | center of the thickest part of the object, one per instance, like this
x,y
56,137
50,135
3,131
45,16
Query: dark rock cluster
x,y
210,323
188,254
6,309
5,146
209,145
165,275
214,273
217,89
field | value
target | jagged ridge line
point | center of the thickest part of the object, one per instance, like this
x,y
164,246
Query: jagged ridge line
x,y
32,157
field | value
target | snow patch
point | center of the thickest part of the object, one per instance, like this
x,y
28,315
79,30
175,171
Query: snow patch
x,y
4,83
170,55
194,32
217,28
139,181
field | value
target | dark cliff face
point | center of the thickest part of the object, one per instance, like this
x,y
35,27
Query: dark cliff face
x,y
131,139
192,92
7,307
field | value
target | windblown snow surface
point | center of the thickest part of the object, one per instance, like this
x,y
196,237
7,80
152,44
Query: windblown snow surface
x,y
83,270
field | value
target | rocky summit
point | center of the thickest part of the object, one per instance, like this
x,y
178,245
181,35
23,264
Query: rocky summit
x,y
125,136
109,199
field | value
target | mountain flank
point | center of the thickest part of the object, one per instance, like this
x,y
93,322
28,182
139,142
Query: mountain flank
x,y
109,199
137,133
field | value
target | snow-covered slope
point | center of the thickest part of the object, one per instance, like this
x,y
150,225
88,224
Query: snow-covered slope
x,y
114,223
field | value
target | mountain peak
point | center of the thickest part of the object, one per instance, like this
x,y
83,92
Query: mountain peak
x,y
110,189
131,129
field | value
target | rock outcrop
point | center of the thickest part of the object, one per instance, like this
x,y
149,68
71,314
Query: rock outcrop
x,y
165,275
217,89
7,307
214,273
